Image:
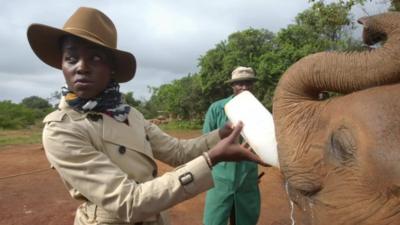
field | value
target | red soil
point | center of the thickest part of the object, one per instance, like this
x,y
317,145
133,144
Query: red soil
x,y
32,193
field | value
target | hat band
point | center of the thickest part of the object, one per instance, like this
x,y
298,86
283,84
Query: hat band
x,y
243,75
85,33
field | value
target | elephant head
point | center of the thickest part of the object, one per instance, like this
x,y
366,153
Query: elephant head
x,y
341,156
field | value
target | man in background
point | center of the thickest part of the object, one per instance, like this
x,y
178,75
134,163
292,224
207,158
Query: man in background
x,y
235,196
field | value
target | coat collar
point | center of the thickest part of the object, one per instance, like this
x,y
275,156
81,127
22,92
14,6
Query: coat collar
x,y
132,136
74,115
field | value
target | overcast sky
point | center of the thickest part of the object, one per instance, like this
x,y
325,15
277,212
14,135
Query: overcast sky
x,y
167,37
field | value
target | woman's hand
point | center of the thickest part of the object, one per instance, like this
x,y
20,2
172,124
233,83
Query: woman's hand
x,y
226,130
229,150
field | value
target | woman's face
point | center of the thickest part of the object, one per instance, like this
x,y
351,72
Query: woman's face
x,y
86,67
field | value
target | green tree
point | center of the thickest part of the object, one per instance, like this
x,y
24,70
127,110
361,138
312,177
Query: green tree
x,y
35,102
192,99
182,98
395,5
130,100
322,27
242,48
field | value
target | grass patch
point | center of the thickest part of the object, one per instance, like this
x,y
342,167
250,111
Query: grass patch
x,y
25,136
184,129
182,125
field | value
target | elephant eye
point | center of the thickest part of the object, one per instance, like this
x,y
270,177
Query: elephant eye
x,y
342,146
323,95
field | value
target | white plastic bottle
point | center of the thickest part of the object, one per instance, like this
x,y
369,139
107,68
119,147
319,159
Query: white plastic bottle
x,y
258,129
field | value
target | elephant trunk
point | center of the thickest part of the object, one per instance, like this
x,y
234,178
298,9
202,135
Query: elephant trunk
x,y
296,96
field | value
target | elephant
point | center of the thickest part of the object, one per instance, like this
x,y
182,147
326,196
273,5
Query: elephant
x,y
340,156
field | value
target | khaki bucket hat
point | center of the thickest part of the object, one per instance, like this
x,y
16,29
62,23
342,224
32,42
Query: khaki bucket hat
x,y
86,23
242,73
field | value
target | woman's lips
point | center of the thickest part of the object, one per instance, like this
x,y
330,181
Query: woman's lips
x,y
83,82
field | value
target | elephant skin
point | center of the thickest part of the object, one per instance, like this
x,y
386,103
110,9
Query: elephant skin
x,y
341,156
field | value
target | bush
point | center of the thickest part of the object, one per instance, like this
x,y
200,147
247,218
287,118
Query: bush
x,y
35,102
17,116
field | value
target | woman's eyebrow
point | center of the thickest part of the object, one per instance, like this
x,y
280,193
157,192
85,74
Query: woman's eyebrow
x,y
69,48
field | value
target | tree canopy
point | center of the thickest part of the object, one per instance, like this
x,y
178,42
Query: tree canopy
x,y
322,27
35,102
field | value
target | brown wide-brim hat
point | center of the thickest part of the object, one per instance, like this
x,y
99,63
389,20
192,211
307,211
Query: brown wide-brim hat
x,y
86,23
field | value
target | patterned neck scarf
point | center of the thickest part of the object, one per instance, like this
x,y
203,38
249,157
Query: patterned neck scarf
x,y
109,102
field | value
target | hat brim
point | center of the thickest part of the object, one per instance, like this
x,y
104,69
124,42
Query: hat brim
x,y
241,79
45,43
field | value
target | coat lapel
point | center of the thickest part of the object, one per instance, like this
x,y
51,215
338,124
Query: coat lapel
x,y
132,136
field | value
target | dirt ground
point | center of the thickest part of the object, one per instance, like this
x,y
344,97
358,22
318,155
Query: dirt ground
x,y
32,193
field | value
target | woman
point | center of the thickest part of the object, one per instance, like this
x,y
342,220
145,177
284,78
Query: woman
x,y
103,149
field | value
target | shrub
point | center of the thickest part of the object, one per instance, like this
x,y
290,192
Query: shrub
x,y
17,116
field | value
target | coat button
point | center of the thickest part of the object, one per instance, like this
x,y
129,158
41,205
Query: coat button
x,y
122,149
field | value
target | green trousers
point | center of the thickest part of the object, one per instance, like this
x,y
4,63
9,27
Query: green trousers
x,y
234,184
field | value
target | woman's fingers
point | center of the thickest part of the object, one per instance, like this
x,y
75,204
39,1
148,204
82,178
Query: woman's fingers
x,y
226,130
253,157
230,125
247,146
236,131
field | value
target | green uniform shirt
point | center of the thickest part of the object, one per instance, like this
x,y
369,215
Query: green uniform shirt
x,y
235,182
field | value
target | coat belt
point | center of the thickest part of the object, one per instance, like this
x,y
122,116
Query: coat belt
x,y
95,213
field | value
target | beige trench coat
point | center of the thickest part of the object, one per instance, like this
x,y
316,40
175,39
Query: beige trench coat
x,y
111,166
